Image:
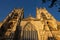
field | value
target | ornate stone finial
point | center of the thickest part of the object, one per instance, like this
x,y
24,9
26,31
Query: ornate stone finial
x,y
37,8
30,15
14,8
22,9
44,8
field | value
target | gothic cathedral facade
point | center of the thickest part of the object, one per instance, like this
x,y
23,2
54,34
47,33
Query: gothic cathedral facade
x,y
43,27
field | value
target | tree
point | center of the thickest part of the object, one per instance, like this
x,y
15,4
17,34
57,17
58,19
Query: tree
x,y
53,2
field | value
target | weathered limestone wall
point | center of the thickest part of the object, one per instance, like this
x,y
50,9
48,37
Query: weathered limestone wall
x,y
39,27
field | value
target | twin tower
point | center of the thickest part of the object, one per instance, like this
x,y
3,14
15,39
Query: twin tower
x,y
43,27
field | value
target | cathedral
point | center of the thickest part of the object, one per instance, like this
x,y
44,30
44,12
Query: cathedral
x,y
43,27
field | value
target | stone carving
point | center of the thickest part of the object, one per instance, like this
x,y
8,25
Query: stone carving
x,y
43,27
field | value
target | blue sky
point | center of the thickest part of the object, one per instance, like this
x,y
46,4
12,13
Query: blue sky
x,y
6,6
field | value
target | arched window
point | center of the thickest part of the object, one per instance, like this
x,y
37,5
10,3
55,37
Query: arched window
x,y
29,33
43,15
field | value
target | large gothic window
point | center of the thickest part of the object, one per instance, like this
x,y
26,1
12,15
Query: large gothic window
x,y
29,33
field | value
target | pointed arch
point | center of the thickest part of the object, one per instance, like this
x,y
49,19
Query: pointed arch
x,y
29,26
29,34
43,15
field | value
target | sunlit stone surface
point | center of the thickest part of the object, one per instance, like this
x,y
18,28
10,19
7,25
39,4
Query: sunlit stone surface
x,y
43,27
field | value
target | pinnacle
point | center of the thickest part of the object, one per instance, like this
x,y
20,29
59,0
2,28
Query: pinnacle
x,y
35,27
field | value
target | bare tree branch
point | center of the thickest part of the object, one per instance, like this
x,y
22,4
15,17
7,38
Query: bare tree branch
x,y
52,3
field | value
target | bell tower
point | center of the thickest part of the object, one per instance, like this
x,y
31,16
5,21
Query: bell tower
x,y
10,24
43,14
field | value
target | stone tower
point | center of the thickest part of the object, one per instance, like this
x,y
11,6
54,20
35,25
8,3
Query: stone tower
x,y
11,23
43,14
43,27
